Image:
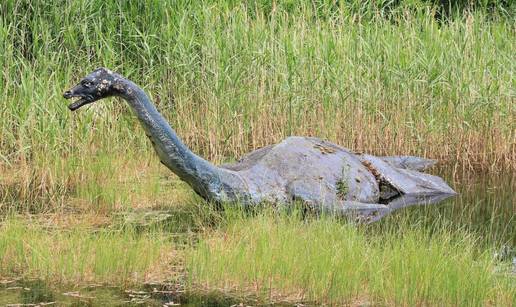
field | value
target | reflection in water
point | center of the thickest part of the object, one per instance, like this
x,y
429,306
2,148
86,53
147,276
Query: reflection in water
x,y
485,205
35,291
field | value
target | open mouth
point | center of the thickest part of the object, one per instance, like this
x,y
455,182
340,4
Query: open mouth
x,y
83,100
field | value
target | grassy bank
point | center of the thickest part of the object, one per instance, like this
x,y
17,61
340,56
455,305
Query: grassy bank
x,y
234,77
286,258
270,256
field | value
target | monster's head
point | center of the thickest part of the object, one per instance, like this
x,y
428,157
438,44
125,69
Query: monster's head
x,y
101,83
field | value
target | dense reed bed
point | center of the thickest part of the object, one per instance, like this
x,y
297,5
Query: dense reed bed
x,y
233,77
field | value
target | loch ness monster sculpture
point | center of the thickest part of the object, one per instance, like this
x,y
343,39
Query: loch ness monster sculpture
x,y
320,174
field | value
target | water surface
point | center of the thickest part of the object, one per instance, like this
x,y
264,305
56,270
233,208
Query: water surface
x,y
37,292
485,205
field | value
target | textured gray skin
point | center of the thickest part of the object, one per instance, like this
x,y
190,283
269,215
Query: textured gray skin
x,y
324,176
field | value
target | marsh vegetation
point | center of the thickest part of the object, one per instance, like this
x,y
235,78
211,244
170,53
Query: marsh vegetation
x,y
84,200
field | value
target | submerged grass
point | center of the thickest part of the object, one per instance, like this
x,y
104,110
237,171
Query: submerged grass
x,y
282,257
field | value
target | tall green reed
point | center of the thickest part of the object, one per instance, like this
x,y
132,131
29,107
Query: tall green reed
x,y
232,77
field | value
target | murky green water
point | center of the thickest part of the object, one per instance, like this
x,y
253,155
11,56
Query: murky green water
x,y
486,205
36,292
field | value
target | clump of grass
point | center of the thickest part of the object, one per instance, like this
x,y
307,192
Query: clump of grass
x,y
82,255
100,181
325,260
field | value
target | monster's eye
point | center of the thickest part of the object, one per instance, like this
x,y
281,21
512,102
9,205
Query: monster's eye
x,y
86,83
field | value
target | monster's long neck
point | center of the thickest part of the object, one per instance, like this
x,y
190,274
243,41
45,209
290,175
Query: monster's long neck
x,y
197,172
